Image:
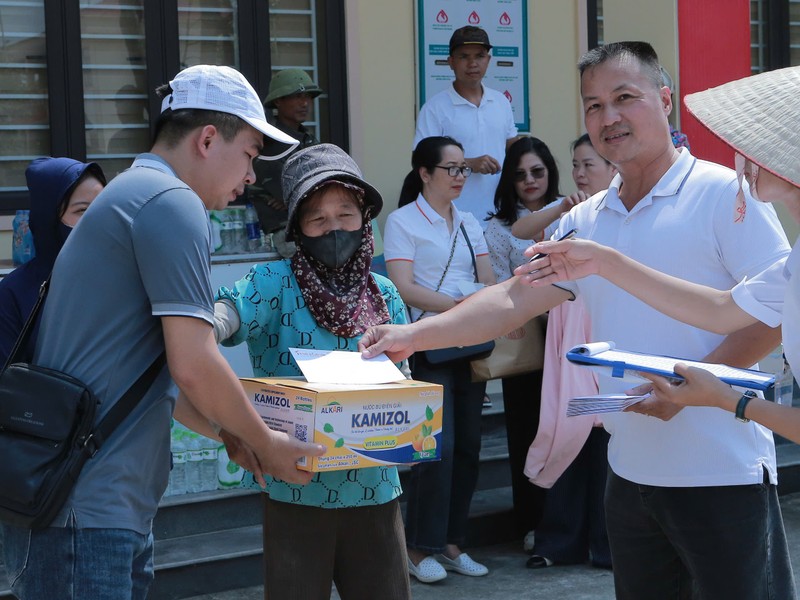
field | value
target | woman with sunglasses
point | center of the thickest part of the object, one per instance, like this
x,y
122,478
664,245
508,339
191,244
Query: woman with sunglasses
x,y
527,197
436,255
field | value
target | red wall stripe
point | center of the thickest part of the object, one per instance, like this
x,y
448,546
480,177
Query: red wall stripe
x,y
713,48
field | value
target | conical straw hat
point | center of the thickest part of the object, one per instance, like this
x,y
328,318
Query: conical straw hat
x,y
759,117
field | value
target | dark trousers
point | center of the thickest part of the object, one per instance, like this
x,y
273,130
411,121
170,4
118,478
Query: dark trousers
x,y
703,543
438,494
360,549
522,399
573,527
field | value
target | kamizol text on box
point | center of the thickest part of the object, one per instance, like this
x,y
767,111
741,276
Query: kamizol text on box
x,y
361,425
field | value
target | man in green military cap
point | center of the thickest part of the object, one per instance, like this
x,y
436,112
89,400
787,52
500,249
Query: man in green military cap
x,y
290,94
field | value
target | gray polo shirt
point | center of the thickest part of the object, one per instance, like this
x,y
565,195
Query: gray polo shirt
x,y
141,251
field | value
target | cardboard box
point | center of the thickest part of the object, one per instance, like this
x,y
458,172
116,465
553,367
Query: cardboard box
x,y
361,425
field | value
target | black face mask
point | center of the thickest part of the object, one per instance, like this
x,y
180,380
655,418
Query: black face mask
x,y
63,232
334,248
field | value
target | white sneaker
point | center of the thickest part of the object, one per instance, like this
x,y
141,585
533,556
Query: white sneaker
x,y
529,541
463,564
427,571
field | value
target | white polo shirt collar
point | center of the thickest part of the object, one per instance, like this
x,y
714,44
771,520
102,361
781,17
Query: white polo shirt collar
x,y
669,185
457,98
434,218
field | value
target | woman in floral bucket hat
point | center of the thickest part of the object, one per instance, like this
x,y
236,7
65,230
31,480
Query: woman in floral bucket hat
x,y
345,525
759,118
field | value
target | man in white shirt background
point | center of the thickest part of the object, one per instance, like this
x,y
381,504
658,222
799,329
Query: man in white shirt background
x,y
477,116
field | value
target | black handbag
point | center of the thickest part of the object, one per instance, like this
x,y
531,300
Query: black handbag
x,y
47,432
458,354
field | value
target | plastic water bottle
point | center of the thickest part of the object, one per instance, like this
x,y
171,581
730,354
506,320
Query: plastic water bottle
x,y
177,477
208,475
232,232
22,239
253,229
266,242
194,463
238,234
786,387
229,474
216,231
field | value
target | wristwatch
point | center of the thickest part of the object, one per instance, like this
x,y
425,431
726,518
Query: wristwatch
x,y
746,397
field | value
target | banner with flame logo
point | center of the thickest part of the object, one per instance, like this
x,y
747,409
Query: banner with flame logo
x,y
506,22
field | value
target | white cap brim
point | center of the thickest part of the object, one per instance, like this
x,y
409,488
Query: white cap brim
x,y
276,134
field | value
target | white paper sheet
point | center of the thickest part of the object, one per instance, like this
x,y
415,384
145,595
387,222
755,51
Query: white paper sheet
x,y
336,366
602,403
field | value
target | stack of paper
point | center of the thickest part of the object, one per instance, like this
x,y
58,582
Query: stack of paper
x,y
603,403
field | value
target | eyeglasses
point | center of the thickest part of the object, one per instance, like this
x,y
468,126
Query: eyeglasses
x,y
454,171
536,173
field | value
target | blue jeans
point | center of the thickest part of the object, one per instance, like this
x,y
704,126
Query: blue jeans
x,y
697,542
78,564
439,493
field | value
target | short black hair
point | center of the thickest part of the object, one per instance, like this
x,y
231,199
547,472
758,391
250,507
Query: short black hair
x,y
641,51
174,125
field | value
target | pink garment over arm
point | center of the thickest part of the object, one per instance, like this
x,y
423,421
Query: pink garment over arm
x,y
560,438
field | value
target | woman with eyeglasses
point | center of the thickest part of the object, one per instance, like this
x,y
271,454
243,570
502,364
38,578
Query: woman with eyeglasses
x,y
436,256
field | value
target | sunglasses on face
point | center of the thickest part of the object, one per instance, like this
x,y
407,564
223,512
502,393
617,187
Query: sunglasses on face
x,y
536,173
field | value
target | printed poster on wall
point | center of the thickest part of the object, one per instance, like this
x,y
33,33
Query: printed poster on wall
x,y
506,23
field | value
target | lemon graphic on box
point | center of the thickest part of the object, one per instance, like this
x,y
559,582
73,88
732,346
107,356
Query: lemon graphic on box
x,y
424,441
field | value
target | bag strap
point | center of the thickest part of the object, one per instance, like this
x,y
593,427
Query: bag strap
x,y
471,252
25,334
446,267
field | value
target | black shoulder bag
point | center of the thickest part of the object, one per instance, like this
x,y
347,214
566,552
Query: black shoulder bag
x,y
458,354
47,431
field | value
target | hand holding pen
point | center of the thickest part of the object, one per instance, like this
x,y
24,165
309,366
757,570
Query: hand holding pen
x,y
569,235
566,259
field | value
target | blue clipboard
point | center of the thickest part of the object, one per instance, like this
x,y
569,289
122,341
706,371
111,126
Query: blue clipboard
x,y
605,357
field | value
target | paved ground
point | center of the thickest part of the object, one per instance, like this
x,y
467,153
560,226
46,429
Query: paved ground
x,y
508,577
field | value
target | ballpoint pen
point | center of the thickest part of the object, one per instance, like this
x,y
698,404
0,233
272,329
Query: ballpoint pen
x,y
566,236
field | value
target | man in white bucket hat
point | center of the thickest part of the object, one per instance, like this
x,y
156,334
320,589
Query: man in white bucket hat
x,y
132,282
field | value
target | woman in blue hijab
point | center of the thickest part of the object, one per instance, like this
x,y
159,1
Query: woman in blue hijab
x,y
61,189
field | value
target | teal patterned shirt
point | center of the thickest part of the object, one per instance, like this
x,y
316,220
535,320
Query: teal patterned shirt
x,y
274,318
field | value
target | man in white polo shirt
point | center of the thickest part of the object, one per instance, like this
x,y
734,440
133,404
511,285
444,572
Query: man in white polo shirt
x,y
691,500
478,117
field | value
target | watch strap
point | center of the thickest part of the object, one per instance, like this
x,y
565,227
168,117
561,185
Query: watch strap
x,y
742,405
